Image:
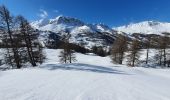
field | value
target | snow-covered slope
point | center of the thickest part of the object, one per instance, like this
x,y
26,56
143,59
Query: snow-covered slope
x,y
90,78
146,27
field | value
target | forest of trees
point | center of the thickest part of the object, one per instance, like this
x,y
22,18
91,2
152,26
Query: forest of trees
x,y
20,41
131,50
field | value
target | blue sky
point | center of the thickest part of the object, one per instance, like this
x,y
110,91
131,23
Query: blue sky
x,y
110,12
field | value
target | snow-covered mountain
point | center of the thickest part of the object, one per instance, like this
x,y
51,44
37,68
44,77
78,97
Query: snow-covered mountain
x,y
90,34
145,27
95,34
62,23
57,24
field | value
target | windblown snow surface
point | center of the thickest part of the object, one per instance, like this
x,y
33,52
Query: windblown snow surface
x,y
90,78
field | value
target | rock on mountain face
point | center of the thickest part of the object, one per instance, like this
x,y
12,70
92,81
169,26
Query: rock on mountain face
x,y
146,27
91,35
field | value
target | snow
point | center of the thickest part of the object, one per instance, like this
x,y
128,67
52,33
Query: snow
x,y
82,29
57,24
90,78
40,23
75,26
145,27
104,28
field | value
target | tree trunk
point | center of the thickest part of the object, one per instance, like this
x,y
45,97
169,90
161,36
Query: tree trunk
x,y
160,58
164,57
28,45
147,56
16,56
133,62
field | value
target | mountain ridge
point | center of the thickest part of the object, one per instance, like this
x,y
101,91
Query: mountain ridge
x,y
95,34
145,27
90,34
61,23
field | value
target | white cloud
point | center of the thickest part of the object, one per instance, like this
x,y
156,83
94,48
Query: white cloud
x,y
56,11
43,14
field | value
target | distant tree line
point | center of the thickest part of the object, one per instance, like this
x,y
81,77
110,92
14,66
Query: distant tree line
x,y
57,42
19,40
131,49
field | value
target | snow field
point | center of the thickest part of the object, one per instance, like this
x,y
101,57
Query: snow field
x,y
90,78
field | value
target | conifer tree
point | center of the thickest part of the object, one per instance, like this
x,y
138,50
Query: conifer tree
x,y
9,38
29,37
67,55
118,49
134,52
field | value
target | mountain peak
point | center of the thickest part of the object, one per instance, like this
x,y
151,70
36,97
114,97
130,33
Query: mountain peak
x,y
69,21
61,23
145,27
145,23
66,20
40,23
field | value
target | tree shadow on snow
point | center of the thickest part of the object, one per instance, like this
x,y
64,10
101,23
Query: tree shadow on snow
x,y
84,67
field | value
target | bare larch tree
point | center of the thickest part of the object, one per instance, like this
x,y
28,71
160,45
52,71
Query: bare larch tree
x,y
119,48
9,36
67,55
134,52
